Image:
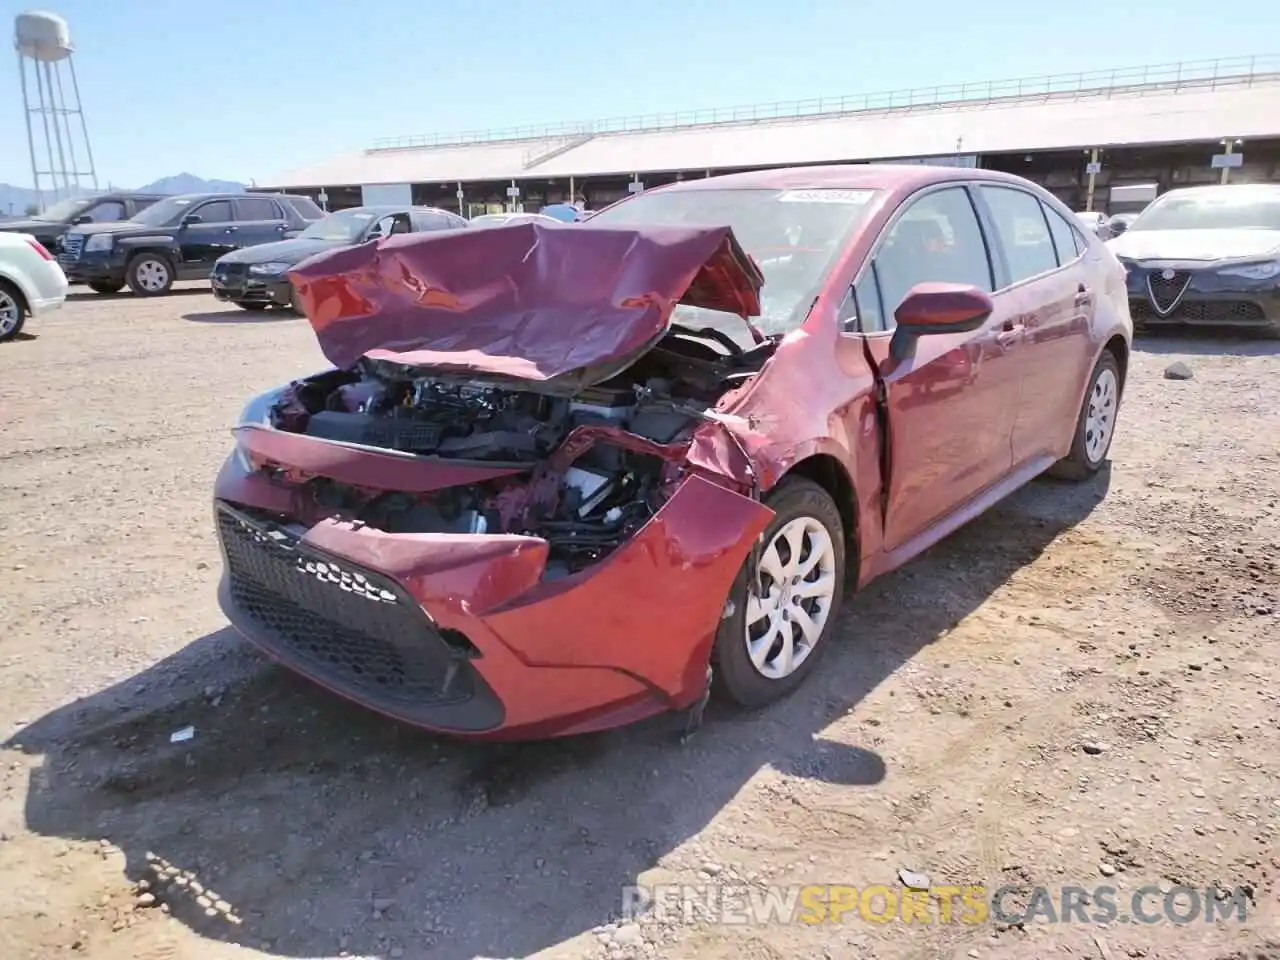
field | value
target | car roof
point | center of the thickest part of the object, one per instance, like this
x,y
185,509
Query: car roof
x,y
852,176
1232,189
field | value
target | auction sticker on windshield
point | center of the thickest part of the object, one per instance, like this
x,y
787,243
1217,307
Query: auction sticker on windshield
x,y
825,196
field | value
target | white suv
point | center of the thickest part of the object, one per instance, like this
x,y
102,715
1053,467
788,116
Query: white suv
x,y
31,282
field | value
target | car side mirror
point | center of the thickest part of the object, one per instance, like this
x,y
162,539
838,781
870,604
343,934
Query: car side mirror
x,y
82,219
192,219
933,308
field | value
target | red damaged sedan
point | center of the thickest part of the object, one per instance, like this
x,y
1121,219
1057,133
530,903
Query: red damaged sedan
x,y
561,478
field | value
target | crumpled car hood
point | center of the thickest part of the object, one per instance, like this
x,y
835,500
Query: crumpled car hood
x,y
555,307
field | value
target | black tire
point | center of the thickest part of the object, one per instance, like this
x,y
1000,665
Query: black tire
x,y
293,301
736,677
1084,461
13,311
106,288
150,275
251,306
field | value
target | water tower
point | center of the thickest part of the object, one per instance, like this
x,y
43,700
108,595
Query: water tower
x,y
57,135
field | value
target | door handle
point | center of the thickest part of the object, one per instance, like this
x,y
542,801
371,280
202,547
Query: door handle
x,y
1010,333
232,229
1084,296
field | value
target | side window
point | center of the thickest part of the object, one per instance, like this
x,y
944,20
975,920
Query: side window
x,y
258,208
1021,231
215,211
861,310
108,211
1066,239
937,239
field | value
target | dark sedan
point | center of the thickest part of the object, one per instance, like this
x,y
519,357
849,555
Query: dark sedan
x,y
254,278
1206,256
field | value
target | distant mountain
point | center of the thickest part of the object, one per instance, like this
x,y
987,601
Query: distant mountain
x,y
187,183
14,201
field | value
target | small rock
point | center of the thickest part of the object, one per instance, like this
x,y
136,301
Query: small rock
x,y
913,880
1178,371
711,868
395,953
383,904
202,565
146,900
1106,869
628,935
1093,747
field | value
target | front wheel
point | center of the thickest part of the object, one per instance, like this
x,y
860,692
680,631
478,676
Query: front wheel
x,y
1096,424
13,312
150,275
785,599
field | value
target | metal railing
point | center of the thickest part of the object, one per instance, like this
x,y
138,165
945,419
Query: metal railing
x,y
1235,71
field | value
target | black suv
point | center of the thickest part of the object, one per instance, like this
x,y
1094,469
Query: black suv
x,y
49,226
179,238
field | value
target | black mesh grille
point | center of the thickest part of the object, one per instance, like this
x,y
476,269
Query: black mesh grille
x,y
1165,292
352,629
1201,311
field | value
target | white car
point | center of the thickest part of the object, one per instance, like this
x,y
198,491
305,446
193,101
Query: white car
x,y
31,282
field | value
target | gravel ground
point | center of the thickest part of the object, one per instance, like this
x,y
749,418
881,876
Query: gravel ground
x,y
1074,690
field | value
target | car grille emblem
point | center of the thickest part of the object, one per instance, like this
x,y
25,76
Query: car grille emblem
x,y
1166,289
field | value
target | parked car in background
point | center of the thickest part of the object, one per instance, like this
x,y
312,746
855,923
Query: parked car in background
x,y
684,432
51,224
1206,255
1095,222
179,238
254,277
503,219
31,282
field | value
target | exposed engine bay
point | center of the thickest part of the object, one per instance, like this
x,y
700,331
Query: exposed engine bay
x,y
583,472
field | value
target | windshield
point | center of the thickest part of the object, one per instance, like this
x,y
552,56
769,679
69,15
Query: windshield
x,y
1217,210
63,210
793,235
347,226
162,211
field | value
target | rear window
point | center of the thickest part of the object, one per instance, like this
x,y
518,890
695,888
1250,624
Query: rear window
x,y
307,208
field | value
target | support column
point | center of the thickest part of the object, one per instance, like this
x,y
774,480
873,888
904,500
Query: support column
x,y
1093,169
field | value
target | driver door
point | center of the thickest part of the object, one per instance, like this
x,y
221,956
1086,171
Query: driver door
x,y
203,242
952,402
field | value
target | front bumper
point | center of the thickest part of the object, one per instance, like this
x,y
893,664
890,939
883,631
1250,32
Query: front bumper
x,y
95,267
237,285
461,634
1182,295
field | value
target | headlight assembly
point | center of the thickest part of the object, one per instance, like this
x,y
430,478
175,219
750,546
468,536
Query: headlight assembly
x,y
272,268
99,241
1253,271
257,412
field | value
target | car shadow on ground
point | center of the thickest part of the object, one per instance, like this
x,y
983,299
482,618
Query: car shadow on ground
x,y
20,337
237,315
1206,343
127,294
295,823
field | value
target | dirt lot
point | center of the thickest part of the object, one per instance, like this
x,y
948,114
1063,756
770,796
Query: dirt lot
x,y
1075,690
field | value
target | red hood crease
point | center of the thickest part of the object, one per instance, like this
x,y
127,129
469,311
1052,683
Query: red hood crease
x,y
564,306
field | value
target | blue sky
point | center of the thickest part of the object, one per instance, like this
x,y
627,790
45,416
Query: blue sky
x,y
242,89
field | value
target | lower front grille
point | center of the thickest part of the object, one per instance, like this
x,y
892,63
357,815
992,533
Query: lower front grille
x,y
1200,311
351,629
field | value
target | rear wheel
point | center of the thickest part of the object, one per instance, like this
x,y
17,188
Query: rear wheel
x,y
13,311
150,275
106,288
251,306
785,601
1096,424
